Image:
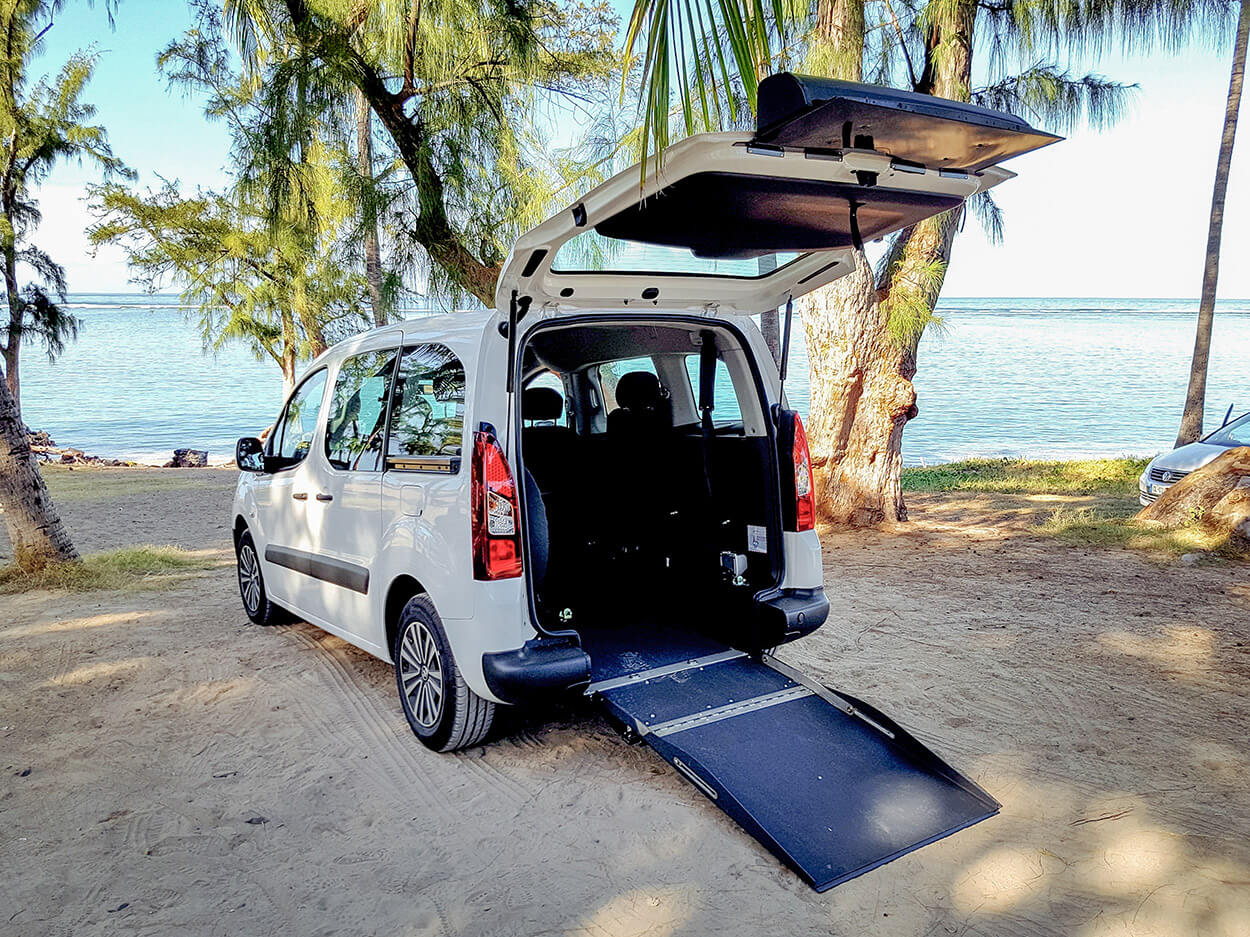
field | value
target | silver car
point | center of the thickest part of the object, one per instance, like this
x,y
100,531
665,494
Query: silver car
x,y
1167,469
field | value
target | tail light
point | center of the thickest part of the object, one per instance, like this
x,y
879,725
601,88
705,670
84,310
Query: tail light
x,y
804,494
496,512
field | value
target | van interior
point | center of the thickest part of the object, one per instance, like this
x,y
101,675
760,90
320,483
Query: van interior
x,y
661,522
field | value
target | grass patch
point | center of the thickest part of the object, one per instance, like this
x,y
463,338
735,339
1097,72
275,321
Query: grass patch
x,y
1028,476
1113,527
130,568
89,483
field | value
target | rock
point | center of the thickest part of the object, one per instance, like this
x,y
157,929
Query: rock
x,y
1189,559
189,458
38,437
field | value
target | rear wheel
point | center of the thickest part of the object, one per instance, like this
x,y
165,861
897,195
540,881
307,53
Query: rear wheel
x,y
441,709
252,585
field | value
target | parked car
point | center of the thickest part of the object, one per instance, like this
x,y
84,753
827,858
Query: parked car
x,y
599,487
1166,470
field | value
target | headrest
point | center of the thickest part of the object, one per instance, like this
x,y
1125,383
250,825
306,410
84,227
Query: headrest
x,y
542,403
639,390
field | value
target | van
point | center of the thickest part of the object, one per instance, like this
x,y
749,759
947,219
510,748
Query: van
x,y
599,487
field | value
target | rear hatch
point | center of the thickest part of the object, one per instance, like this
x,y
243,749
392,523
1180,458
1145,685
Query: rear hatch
x,y
744,221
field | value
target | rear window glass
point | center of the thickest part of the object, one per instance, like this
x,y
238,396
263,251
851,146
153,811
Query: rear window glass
x,y
591,251
725,408
427,413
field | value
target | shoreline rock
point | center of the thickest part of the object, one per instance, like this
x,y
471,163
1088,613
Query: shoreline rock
x,y
188,458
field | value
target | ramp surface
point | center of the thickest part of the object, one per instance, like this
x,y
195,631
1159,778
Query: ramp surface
x,y
831,786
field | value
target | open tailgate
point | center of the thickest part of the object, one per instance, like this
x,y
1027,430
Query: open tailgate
x,y
744,221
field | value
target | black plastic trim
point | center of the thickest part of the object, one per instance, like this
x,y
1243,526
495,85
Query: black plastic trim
x,y
536,669
325,568
786,615
534,260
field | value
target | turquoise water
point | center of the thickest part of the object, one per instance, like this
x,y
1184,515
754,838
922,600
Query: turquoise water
x,y
1035,377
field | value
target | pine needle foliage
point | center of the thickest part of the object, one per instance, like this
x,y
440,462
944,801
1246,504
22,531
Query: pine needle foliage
x,y
43,122
455,86
269,263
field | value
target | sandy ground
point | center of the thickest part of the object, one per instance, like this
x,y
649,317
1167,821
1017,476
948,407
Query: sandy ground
x,y
170,768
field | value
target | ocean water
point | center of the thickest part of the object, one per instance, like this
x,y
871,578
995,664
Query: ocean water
x,y
1032,377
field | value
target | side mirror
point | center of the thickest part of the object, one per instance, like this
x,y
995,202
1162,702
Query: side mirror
x,y
249,454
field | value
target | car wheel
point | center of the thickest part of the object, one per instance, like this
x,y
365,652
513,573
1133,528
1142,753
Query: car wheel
x,y
252,585
441,709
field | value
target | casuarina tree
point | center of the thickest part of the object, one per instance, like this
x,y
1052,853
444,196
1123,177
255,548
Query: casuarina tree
x,y
454,86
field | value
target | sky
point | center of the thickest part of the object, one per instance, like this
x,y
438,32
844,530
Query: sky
x,y
1121,212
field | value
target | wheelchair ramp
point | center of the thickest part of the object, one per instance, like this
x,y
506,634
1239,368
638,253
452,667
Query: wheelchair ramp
x,y
831,786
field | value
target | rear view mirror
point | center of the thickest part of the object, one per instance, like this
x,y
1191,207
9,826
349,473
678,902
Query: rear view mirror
x,y
249,454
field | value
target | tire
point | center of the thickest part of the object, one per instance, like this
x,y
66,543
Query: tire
x,y
441,709
256,601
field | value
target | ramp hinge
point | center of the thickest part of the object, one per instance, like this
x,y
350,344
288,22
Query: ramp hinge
x,y
710,309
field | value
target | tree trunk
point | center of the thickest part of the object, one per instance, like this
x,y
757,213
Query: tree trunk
x,y
13,344
862,361
369,220
433,230
288,354
35,529
1196,395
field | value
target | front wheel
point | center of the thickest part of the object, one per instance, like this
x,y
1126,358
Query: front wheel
x,y
252,585
441,709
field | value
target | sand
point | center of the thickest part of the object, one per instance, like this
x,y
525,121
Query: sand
x,y
170,768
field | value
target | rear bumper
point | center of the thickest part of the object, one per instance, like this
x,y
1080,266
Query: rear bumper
x,y
789,614
539,668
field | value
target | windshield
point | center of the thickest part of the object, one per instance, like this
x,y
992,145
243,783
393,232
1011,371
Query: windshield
x,y
1236,433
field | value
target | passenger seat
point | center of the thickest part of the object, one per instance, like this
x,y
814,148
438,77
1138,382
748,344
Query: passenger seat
x,y
548,446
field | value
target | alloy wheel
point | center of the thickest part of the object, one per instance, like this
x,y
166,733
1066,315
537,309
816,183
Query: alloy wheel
x,y
421,674
249,578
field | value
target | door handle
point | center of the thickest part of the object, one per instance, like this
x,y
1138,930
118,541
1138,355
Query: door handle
x,y
322,496
300,496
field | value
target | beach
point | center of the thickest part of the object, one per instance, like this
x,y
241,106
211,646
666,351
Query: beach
x,y
171,767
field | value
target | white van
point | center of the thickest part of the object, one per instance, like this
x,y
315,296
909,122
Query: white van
x,y
598,486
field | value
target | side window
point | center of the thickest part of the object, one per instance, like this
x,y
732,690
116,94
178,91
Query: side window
x,y
355,425
427,416
294,437
613,371
725,408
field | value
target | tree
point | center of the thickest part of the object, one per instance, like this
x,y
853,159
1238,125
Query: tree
x,y
39,126
863,330
271,262
250,282
35,529
1196,394
369,215
452,84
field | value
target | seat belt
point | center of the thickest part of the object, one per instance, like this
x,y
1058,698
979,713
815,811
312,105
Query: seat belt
x,y
707,397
